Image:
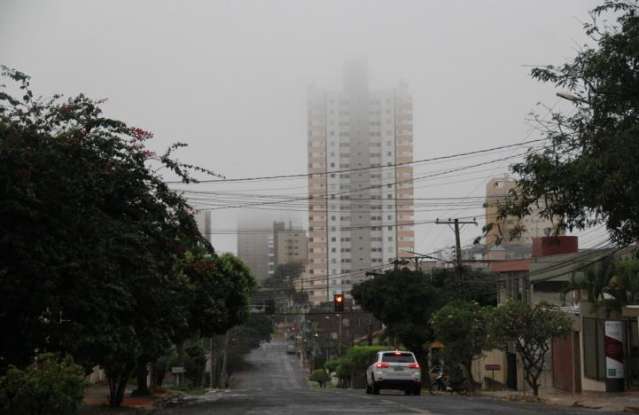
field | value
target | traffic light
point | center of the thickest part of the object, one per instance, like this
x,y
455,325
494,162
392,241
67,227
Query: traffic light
x,y
338,302
269,306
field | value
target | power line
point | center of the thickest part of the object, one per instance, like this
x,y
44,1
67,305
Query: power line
x,y
340,228
377,186
389,165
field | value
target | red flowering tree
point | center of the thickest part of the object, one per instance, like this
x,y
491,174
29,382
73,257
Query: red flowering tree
x,y
91,238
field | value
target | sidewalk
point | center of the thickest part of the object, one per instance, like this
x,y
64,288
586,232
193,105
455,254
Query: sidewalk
x,y
96,402
623,402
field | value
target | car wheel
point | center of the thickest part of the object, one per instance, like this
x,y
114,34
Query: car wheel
x,y
408,392
418,390
375,388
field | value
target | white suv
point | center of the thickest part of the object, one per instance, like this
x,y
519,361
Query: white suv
x,y
394,370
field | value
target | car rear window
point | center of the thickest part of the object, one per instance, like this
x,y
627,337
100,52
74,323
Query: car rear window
x,y
398,358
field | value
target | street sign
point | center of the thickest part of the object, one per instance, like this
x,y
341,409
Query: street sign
x,y
492,367
178,369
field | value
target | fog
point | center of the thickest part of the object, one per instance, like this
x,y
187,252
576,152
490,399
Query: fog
x,y
230,78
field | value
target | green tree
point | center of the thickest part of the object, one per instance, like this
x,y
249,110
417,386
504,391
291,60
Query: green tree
x,y
245,337
587,173
531,329
92,237
320,376
624,286
50,386
282,282
462,327
610,283
404,301
218,294
353,364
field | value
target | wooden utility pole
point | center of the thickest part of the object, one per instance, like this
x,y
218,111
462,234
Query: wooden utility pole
x,y
458,257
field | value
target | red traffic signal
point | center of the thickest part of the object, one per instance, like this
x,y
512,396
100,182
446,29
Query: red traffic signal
x,y
338,303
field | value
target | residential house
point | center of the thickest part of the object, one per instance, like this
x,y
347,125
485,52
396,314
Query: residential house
x,y
577,362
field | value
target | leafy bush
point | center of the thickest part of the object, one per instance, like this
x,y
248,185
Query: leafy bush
x,y
49,386
462,327
360,357
332,365
320,376
353,364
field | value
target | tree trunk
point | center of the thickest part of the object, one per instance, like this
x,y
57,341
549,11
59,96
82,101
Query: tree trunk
x,y
223,374
141,373
468,367
158,375
422,359
212,361
533,381
117,385
152,375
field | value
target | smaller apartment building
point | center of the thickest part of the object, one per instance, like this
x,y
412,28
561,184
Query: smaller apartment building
x,y
578,362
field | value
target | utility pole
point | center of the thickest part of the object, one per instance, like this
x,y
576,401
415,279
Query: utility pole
x,y
339,335
456,222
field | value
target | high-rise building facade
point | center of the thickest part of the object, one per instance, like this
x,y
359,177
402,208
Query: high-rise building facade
x,y
254,247
511,230
360,146
290,245
263,247
203,222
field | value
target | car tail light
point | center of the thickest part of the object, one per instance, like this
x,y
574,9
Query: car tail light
x,y
413,366
382,365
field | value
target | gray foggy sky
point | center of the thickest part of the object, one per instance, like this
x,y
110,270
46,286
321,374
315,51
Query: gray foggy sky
x,y
230,77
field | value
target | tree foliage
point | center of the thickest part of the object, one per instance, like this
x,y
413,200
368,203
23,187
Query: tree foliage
x,y
405,301
463,328
320,376
98,256
611,283
530,328
283,283
50,386
587,173
353,364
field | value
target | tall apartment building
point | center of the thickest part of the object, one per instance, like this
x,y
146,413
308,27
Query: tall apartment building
x,y
254,247
533,226
263,246
203,222
290,245
360,190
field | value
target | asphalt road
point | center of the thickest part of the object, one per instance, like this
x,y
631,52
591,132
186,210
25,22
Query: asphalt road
x,y
276,385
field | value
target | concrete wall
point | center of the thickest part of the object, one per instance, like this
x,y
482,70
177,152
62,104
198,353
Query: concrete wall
x,y
490,357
